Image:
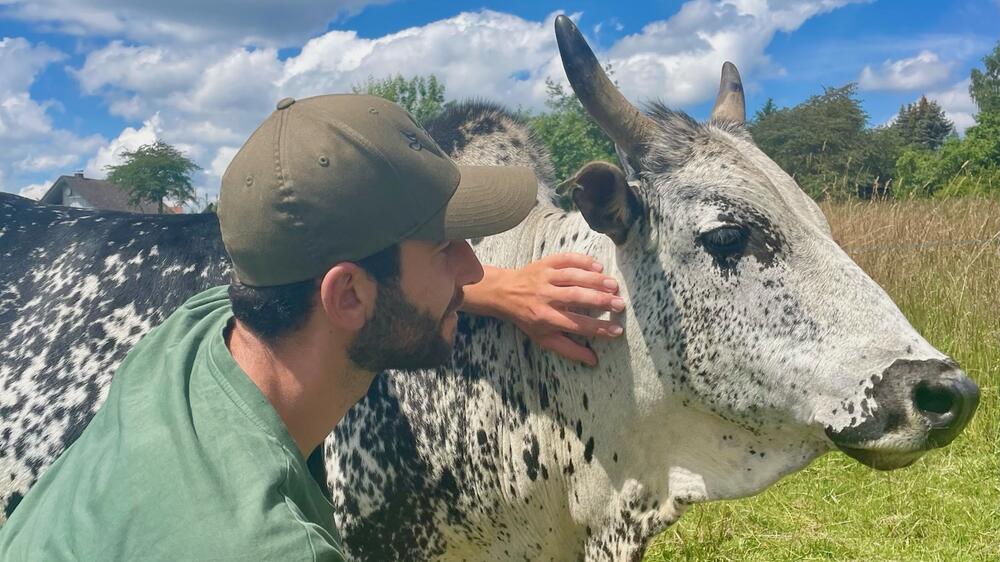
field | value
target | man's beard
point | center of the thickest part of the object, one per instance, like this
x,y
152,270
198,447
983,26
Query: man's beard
x,y
399,336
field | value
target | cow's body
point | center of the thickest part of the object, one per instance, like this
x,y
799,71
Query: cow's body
x,y
78,288
736,367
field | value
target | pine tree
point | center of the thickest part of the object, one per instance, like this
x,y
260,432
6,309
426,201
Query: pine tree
x,y
422,96
923,124
770,108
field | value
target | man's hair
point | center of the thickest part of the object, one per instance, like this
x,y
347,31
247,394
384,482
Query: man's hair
x,y
274,312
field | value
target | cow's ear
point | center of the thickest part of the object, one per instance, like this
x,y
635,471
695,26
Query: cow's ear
x,y
608,203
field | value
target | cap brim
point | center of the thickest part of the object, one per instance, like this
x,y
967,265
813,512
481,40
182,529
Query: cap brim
x,y
489,200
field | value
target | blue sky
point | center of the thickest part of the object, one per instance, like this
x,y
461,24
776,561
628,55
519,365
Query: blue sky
x,y
81,80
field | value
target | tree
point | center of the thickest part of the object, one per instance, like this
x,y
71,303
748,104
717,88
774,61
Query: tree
x,y
821,142
566,129
961,166
970,165
422,96
154,172
923,124
984,87
769,108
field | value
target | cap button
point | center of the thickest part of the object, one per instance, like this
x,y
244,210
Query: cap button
x,y
285,103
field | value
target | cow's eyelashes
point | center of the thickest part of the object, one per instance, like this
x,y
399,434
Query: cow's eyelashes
x,y
727,239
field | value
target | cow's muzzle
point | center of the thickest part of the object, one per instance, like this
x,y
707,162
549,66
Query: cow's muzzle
x,y
918,406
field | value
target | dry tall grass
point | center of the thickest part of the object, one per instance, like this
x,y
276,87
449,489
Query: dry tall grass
x,y
940,262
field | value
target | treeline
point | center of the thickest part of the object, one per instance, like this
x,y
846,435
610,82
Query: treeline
x,y
826,145
825,142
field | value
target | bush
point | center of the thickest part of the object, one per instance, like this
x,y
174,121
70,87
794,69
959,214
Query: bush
x,y
969,166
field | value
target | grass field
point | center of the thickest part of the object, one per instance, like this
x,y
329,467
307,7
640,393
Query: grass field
x,y
946,506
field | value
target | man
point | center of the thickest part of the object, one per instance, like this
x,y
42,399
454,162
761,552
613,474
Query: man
x,y
346,226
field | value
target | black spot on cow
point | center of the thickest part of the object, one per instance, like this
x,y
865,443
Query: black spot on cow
x,y
588,450
530,456
12,504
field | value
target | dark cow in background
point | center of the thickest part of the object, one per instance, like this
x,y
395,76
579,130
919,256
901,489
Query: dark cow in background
x,y
78,288
747,349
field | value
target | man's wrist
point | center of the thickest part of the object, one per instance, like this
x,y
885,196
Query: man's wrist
x,y
484,298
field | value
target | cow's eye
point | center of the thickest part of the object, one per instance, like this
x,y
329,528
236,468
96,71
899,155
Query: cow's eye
x,y
726,239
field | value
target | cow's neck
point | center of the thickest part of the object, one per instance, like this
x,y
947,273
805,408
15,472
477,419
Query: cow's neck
x,y
592,425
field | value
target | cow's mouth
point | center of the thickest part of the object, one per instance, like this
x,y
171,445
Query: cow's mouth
x,y
882,459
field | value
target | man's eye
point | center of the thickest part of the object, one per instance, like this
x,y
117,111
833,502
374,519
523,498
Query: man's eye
x,y
724,239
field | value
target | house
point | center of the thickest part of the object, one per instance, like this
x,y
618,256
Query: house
x,y
87,193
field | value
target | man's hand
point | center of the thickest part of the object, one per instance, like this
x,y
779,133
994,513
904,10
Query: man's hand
x,y
540,298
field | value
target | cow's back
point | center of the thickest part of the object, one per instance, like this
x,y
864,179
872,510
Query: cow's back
x,y
78,288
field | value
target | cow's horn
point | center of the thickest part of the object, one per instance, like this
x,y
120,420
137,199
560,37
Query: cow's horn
x,y
730,105
621,120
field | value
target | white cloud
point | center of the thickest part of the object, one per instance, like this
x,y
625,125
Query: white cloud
x,y
208,97
29,143
20,61
187,21
140,69
923,70
678,60
475,54
212,99
34,191
44,162
20,116
129,139
957,104
223,156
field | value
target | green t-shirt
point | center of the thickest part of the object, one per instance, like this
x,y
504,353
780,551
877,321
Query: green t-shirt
x,y
186,460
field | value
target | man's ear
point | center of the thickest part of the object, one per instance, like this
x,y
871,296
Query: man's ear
x,y
347,295
607,202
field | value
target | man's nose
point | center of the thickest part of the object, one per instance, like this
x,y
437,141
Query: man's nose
x,y
467,266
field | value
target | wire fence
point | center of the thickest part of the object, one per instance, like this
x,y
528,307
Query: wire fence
x,y
930,245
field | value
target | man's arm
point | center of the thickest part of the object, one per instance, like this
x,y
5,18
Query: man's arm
x,y
539,299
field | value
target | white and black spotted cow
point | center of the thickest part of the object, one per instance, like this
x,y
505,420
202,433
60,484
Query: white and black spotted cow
x,y
748,349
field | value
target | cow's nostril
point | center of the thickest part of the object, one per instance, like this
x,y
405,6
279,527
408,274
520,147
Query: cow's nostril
x,y
934,399
948,404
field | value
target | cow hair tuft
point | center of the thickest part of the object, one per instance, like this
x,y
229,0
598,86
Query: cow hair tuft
x,y
480,130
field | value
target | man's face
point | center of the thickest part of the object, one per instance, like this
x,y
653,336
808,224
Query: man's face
x,y
415,318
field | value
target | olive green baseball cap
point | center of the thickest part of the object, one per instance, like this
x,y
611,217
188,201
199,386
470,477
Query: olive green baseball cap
x,y
340,177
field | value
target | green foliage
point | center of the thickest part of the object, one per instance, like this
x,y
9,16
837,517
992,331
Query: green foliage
x,y
572,137
422,96
984,86
821,142
769,108
154,172
969,166
923,124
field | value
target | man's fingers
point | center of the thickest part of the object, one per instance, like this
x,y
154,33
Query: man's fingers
x,y
569,349
579,297
585,325
574,277
580,261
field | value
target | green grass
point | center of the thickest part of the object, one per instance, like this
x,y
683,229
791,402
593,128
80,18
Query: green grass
x,y
946,506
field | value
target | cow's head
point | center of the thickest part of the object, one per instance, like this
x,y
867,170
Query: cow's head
x,y
753,322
